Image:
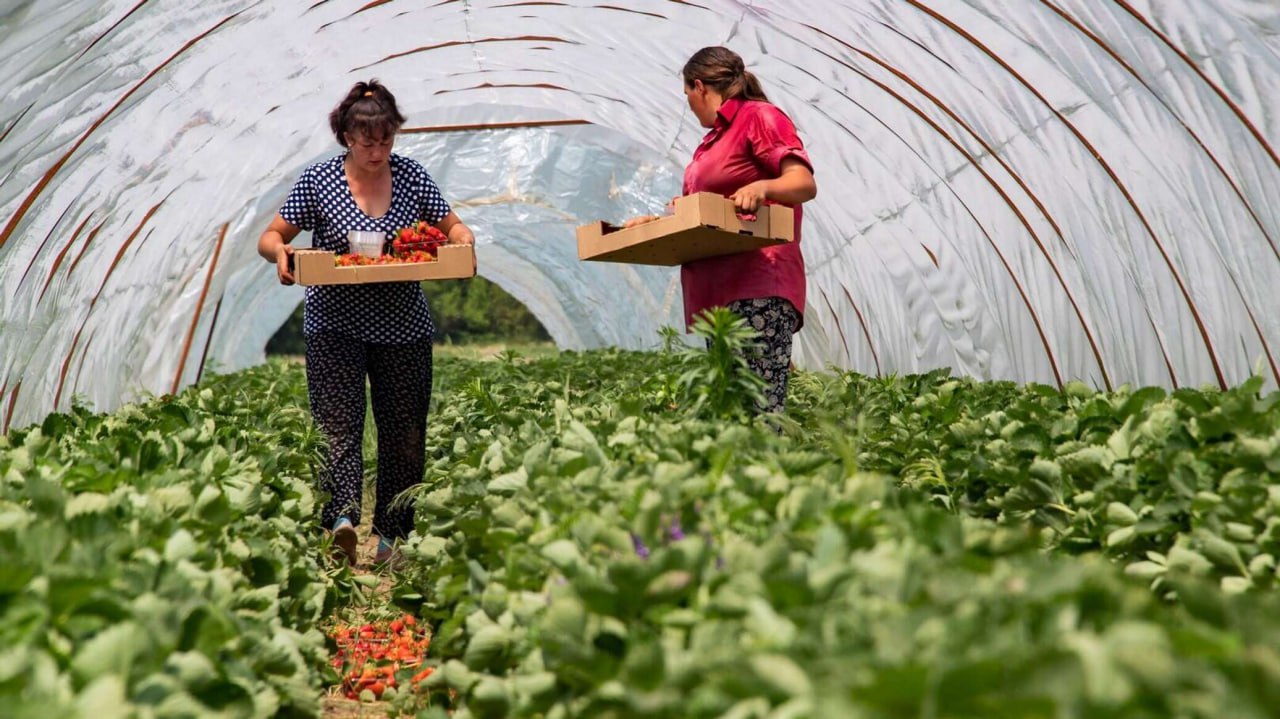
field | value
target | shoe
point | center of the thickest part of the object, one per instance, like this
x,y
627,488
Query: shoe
x,y
344,537
388,554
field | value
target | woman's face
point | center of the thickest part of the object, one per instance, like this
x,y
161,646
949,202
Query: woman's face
x,y
368,153
701,103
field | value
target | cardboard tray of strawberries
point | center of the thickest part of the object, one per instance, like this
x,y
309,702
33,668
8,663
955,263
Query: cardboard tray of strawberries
x,y
419,253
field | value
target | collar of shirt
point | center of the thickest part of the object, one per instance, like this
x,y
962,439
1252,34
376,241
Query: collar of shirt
x,y
724,118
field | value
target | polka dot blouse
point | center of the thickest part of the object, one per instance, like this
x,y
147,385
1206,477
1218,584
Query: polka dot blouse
x,y
384,312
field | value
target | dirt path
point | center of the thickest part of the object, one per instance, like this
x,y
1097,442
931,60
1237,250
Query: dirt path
x,y
335,705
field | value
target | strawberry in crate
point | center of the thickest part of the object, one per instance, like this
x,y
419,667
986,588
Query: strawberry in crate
x,y
420,237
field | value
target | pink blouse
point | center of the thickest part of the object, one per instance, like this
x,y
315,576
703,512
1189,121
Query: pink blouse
x,y
748,143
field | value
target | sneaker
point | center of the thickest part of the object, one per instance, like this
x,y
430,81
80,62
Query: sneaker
x,y
344,537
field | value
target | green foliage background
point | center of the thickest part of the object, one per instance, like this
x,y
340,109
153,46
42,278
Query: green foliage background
x,y
617,534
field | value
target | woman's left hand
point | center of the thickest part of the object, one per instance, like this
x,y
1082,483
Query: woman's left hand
x,y
751,197
461,235
456,230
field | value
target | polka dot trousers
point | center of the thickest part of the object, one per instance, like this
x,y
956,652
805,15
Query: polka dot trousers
x,y
400,387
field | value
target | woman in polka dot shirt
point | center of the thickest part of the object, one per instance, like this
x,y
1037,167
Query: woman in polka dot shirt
x,y
382,331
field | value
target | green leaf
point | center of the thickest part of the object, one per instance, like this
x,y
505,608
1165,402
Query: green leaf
x,y
180,545
487,648
104,698
780,677
489,699
1221,552
1121,537
1145,570
564,555
1121,514
111,651
510,483
1181,559
87,503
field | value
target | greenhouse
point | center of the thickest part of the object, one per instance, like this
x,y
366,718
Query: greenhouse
x,y
1030,465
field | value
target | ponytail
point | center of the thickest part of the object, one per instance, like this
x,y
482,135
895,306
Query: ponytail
x,y
723,70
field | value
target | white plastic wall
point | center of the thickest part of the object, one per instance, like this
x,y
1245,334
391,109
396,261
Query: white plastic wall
x,y
1041,190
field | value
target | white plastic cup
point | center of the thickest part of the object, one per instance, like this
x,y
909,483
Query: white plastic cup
x,y
367,244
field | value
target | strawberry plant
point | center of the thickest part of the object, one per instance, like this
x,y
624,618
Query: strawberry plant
x,y
609,533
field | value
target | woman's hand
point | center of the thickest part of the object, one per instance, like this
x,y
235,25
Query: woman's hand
x,y
794,185
639,220
274,246
283,255
751,197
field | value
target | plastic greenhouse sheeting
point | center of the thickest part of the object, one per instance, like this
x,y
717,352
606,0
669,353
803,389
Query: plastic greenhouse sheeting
x,y
1044,190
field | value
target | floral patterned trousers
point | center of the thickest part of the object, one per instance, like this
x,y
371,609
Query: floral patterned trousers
x,y
776,320
400,389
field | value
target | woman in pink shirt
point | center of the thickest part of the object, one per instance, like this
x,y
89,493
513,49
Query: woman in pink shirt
x,y
752,155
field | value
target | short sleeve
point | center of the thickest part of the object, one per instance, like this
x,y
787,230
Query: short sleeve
x,y
773,139
302,207
432,206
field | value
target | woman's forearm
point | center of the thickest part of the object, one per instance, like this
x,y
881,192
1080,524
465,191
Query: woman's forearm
x,y
269,245
456,230
793,187
278,234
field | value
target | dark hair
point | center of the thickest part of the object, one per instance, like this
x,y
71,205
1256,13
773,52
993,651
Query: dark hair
x,y
369,109
722,70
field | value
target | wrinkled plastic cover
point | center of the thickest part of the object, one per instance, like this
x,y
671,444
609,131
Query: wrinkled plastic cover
x,y
1040,191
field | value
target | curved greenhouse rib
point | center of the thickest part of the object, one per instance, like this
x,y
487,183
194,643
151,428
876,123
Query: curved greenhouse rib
x,y
48,175
844,341
35,256
15,122
462,43
83,250
977,165
195,319
1217,89
109,30
866,331
13,405
1056,191
66,364
115,262
57,261
942,181
84,321
208,340
83,357
490,126
1271,360
1106,167
1217,163
1013,275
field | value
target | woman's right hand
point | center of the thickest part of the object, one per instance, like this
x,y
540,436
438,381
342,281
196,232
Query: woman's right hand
x,y
283,254
274,246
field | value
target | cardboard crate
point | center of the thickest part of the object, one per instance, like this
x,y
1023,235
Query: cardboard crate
x,y
704,225
315,267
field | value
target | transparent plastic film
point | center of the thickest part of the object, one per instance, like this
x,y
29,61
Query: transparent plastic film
x,y
1045,191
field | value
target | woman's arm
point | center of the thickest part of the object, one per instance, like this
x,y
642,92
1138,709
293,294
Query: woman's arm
x,y
274,246
794,185
456,230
